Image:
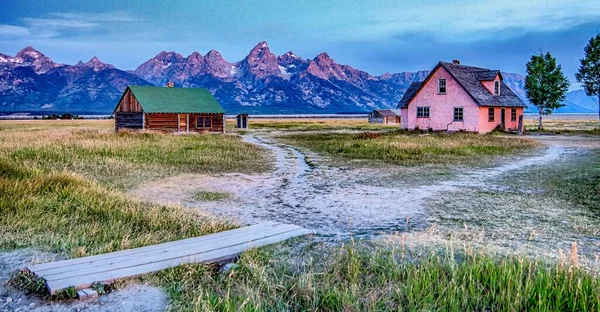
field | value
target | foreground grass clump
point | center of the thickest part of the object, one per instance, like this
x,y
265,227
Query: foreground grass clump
x,y
128,158
410,148
361,279
65,213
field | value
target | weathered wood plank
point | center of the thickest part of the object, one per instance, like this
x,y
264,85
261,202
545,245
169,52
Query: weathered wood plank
x,y
129,252
173,251
85,281
83,272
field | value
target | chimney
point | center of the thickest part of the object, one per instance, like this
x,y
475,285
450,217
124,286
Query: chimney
x,y
170,84
456,62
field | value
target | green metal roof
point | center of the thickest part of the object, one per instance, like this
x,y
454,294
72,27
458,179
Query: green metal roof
x,y
176,100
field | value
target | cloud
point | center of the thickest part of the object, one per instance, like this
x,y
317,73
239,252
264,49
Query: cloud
x,y
57,24
11,31
467,21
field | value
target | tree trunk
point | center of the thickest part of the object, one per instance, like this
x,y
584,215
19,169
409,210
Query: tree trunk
x,y
540,122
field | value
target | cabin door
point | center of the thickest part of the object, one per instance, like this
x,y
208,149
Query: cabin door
x,y
502,116
183,123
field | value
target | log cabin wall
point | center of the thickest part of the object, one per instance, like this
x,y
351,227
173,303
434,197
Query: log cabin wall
x,y
161,121
129,121
128,104
216,122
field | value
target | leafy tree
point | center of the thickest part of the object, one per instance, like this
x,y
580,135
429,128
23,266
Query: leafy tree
x,y
545,85
589,70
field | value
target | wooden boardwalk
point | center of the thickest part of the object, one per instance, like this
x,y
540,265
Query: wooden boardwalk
x,y
220,247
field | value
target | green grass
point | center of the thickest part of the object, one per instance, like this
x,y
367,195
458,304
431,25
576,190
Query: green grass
x,y
211,196
404,148
576,180
68,214
359,278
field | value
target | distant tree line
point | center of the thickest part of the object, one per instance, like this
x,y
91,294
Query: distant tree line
x,y
66,116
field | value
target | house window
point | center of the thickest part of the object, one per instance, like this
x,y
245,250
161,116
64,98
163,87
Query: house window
x,y
203,122
496,87
513,114
442,86
458,114
422,112
490,114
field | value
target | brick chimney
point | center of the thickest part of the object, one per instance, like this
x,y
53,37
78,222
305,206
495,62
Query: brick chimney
x,y
170,84
456,62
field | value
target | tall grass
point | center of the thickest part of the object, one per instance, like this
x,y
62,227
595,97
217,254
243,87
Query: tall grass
x,y
355,278
65,213
409,148
128,158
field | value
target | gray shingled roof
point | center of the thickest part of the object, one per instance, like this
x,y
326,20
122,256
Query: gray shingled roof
x,y
388,112
470,77
409,94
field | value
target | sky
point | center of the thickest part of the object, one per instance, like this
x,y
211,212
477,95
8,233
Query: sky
x,y
376,36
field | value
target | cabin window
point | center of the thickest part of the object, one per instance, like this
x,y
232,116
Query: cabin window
x,y
496,87
422,112
490,114
513,114
458,114
442,86
203,122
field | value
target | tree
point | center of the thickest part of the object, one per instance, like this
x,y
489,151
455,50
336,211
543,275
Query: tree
x,y
545,85
589,70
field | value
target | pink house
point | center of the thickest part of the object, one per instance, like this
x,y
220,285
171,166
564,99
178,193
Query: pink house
x,y
457,97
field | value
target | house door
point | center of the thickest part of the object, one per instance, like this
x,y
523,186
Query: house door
x,y
502,115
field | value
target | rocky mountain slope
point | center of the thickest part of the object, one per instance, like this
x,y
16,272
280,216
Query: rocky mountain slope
x,y
262,82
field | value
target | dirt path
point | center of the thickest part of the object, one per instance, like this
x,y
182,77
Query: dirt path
x,y
333,201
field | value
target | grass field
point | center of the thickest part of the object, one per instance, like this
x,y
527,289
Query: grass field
x,y
61,190
308,124
405,148
564,125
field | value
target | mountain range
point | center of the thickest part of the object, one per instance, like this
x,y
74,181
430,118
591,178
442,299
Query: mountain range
x,y
261,83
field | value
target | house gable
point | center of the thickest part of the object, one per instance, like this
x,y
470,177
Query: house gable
x,y
441,106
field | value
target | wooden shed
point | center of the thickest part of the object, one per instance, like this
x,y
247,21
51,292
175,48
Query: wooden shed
x,y
169,109
385,116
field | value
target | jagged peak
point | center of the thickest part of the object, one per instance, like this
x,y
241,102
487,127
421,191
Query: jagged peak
x,y
29,50
168,54
291,54
97,64
80,63
323,56
261,45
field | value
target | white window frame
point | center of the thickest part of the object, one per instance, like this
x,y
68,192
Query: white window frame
x,y
440,80
454,113
496,87
425,109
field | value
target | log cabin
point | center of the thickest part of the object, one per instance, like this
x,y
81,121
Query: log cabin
x,y
182,110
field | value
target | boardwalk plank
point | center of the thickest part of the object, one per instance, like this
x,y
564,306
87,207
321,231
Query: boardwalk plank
x,y
83,272
169,253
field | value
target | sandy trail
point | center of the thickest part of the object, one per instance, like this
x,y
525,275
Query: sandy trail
x,y
329,200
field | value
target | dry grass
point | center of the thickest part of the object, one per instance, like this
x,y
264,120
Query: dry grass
x,y
316,124
91,148
405,148
560,124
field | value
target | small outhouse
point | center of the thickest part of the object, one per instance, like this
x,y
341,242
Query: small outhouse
x,y
242,121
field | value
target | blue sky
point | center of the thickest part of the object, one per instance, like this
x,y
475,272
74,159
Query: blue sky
x,y
376,36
